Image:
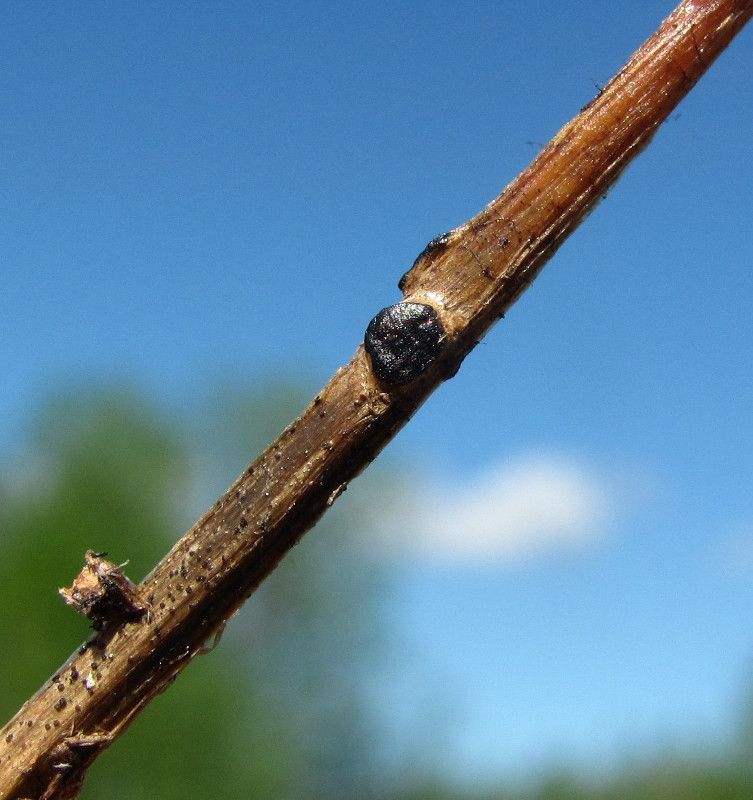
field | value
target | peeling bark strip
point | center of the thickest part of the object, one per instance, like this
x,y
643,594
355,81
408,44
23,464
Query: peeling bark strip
x,y
469,277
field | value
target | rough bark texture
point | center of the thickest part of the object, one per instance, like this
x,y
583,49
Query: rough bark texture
x,y
469,277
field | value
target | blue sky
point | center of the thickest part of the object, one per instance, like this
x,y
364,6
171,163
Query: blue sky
x,y
191,191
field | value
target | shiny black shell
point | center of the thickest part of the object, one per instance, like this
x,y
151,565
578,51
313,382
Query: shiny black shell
x,y
402,340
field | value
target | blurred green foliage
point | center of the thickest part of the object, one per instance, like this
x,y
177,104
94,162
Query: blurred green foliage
x,y
276,711
281,709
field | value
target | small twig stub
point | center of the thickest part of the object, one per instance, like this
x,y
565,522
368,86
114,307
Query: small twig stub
x,y
103,593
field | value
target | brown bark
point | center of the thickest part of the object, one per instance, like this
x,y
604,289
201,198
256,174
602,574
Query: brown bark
x,y
469,277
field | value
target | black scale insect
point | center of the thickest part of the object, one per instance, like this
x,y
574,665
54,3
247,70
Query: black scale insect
x,y
435,245
402,340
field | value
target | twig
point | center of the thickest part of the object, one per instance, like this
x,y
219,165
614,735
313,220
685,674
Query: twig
x,y
459,286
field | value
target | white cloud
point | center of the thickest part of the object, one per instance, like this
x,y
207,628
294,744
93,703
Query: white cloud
x,y
515,510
